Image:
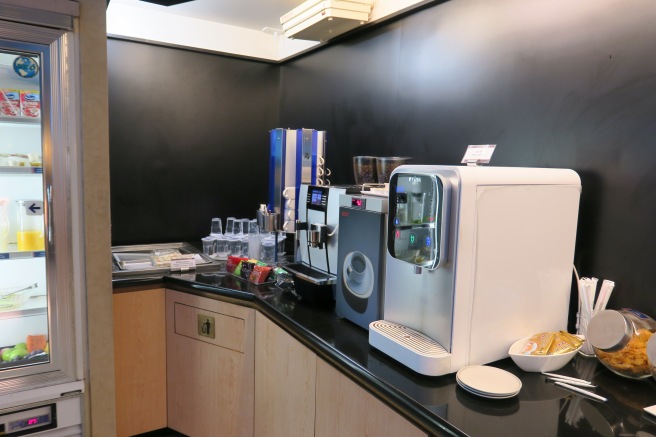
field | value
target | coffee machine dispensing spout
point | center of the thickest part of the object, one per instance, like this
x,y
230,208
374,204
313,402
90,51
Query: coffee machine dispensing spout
x,y
318,235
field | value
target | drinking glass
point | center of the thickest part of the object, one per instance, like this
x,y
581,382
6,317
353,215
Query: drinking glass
x,y
245,226
282,236
230,221
267,250
235,247
222,248
237,230
253,239
244,247
208,246
217,227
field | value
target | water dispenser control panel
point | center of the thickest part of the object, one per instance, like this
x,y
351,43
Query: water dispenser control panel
x,y
418,219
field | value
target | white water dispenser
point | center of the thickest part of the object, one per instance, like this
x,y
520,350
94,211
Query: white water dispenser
x,y
477,258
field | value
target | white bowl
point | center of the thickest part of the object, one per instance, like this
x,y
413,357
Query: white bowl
x,y
538,363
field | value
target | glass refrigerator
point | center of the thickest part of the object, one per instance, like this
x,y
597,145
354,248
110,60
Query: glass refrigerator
x,y
41,251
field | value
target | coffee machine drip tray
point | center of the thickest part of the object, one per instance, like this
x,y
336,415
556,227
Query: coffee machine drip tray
x,y
412,348
307,273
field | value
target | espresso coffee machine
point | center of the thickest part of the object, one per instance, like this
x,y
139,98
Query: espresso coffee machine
x,y
361,258
315,269
477,258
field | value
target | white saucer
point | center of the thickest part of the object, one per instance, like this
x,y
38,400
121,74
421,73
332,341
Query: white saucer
x,y
483,395
489,382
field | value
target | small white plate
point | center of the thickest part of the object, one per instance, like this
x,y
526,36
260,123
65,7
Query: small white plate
x,y
488,381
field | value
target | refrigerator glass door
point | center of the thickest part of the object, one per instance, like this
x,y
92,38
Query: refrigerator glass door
x,y
23,284
41,257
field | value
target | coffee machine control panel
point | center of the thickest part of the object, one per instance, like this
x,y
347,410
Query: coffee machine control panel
x,y
317,198
418,219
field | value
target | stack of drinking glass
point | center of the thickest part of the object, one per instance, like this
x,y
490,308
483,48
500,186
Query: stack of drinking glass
x,y
242,238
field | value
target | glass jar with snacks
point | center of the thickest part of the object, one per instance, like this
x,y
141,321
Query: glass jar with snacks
x,y
619,339
651,355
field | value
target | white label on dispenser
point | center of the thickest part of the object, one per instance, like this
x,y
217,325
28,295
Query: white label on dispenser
x,y
33,207
479,154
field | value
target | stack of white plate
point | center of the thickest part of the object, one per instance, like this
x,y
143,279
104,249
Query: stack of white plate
x,y
488,382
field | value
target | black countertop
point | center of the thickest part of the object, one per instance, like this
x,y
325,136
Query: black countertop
x,y
437,404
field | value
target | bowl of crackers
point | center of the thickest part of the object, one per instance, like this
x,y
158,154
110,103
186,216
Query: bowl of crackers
x,y
545,352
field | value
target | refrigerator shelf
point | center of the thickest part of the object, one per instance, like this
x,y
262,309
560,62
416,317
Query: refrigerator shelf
x,y
20,170
25,362
21,120
14,254
31,308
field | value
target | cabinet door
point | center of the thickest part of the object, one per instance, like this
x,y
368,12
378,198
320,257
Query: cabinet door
x,y
140,361
285,374
345,409
210,366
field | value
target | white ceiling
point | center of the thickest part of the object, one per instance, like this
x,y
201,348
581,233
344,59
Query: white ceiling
x,y
249,14
248,28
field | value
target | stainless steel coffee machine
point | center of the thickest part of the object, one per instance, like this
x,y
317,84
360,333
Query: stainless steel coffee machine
x,y
361,258
315,269
477,258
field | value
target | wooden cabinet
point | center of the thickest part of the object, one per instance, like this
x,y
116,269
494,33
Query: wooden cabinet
x,y
204,367
298,394
345,409
140,361
210,366
285,376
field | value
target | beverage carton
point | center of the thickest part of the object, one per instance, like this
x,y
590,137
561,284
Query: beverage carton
x,y
9,103
30,103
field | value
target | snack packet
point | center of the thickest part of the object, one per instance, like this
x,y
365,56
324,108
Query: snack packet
x,y
538,344
233,263
561,344
259,274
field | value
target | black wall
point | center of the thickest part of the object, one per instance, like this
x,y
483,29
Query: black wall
x,y
188,140
553,83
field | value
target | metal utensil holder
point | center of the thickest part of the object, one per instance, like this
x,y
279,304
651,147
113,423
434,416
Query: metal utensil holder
x,y
269,222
